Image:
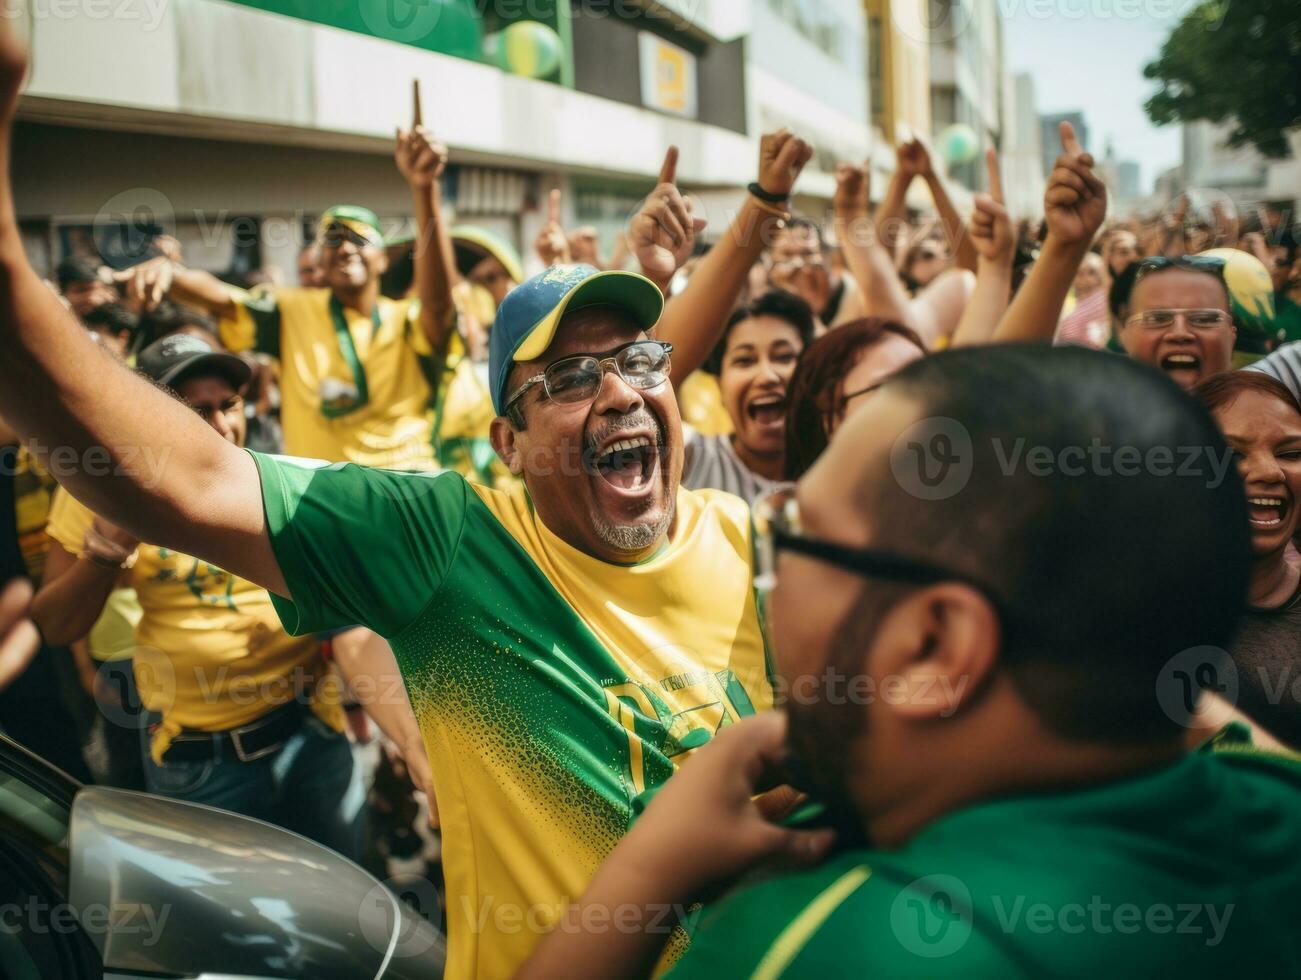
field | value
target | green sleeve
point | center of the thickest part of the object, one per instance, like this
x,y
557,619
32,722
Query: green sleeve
x,y
359,546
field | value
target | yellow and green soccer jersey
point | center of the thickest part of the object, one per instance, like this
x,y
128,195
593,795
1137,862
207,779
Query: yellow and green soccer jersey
x,y
551,688
210,653
392,423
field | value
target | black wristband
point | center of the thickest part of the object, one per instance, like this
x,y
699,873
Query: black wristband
x,y
756,189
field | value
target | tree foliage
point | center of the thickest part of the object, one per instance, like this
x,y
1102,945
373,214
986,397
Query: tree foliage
x,y
1236,62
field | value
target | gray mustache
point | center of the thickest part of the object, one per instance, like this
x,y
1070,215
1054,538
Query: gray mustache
x,y
641,419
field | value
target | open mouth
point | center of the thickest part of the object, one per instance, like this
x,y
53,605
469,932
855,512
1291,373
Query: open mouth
x,y
630,464
1267,512
1181,362
769,410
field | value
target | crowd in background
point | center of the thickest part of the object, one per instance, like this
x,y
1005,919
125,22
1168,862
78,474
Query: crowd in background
x,y
156,664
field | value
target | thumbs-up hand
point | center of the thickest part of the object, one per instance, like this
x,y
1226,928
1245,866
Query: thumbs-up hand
x,y
662,234
551,244
991,228
1075,202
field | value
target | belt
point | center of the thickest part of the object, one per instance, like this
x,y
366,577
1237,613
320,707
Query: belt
x,y
248,743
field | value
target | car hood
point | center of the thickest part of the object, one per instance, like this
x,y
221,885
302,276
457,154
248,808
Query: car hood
x,y
170,887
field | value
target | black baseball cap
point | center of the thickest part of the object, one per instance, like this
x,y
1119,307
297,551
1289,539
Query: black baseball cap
x,y
179,355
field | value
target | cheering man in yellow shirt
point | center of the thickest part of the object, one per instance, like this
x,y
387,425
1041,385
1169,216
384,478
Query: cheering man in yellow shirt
x,y
355,365
565,644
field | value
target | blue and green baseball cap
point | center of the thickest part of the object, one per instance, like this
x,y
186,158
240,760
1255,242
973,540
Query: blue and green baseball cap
x,y
362,221
530,314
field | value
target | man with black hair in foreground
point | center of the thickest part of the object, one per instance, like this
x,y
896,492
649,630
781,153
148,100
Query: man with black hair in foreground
x,y
1002,731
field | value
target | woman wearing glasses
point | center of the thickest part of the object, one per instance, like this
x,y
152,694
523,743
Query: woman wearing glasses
x,y
1261,421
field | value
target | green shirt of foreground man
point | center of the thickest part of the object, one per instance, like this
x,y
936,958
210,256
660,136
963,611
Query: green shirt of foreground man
x,y
1010,783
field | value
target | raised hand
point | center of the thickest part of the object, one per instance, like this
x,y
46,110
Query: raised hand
x,y
420,158
1075,202
852,199
148,283
551,244
782,158
991,228
913,159
662,234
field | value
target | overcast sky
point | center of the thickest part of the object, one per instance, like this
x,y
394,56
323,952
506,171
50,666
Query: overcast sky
x,y
1095,63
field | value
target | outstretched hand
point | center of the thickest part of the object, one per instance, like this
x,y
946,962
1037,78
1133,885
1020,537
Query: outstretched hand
x,y
147,283
1075,201
662,234
991,228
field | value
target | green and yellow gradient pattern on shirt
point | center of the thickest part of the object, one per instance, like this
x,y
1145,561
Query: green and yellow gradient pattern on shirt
x,y
551,688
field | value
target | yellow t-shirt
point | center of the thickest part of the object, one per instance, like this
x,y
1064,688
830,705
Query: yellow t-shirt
x,y
701,403
393,425
33,487
551,688
210,652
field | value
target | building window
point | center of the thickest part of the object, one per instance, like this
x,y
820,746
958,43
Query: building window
x,y
817,22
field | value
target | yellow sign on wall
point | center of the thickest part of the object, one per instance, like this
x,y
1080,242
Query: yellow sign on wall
x,y
668,76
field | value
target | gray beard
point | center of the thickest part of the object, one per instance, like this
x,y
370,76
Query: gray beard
x,y
633,537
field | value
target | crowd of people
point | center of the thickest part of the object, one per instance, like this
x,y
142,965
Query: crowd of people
x,y
938,611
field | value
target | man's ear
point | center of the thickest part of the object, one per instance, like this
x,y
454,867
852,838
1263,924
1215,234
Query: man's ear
x,y
934,651
504,438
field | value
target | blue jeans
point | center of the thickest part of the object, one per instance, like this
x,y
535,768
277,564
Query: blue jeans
x,y
307,786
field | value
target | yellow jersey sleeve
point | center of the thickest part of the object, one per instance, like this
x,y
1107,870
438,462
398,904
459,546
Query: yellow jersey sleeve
x,y
256,323
70,519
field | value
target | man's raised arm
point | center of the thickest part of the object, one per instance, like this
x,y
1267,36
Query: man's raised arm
x,y
124,448
694,319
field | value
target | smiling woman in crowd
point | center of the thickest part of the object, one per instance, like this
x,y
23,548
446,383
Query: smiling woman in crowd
x,y
754,363
1261,421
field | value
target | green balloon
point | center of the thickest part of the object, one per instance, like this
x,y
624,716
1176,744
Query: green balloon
x,y
959,144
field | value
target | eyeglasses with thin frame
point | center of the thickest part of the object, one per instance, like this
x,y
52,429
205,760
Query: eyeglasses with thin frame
x,y
777,528
643,364
1199,320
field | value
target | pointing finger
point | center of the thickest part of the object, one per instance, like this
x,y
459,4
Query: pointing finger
x,y
553,207
995,178
669,172
1070,144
